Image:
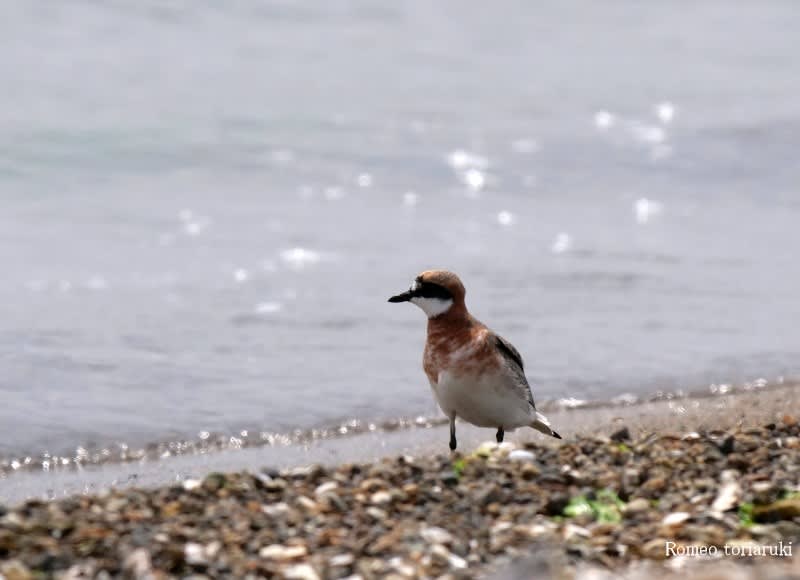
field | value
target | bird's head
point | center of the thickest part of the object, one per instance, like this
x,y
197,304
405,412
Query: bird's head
x,y
434,291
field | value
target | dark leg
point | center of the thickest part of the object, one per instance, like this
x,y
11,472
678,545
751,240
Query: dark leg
x,y
453,433
500,434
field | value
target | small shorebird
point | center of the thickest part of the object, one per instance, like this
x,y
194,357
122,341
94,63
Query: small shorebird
x,y
476,375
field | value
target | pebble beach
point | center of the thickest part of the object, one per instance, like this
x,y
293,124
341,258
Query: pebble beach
x,y
626,501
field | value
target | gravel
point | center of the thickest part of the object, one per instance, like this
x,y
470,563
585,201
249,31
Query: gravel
x,y
590,506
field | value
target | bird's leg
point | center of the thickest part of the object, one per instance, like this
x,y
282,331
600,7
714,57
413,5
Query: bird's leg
x,y
500,434
453,433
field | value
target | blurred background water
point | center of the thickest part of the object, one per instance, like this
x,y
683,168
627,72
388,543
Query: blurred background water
x,y
206,205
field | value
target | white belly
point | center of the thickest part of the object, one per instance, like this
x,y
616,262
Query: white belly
x,y
484,401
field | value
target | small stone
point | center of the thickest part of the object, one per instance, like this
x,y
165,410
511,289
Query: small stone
x,y
571,531
655,549
788,529
138,563
764,492
675,518
655,484
273,484
521,455
340,560
636,506
727,445
372,484
308,504
556,503
194,554
728,497
334,502
488,494
621,435
529,471
536,530
436,535
377,514
212,549
486,448
401,567
300,572
214,482
79,572
443,556
326,487
15,570
192,484
275,509
449,478
381,498
280,552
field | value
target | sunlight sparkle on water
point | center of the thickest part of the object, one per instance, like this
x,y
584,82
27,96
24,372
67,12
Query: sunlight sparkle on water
x,y
604,120
268,307
645,209
505,218
561,244
410,199
461,159
299,258
193,225
475,179
364,180
665,111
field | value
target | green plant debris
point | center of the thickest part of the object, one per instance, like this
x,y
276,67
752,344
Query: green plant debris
x,y
458,467
606,507
746,514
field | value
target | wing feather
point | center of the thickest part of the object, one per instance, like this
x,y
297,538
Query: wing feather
x,y
516,364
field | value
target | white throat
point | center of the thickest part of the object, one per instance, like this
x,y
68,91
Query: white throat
x,y
432,306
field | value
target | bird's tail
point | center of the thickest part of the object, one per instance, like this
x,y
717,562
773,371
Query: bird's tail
x,y
542,424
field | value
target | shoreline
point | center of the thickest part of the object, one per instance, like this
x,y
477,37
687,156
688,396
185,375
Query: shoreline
x,y
745,407
606,500
89,456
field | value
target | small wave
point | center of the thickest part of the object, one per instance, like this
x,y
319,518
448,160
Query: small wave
x,y
210,442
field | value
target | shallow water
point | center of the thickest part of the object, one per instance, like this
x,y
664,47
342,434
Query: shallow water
x,y
205,208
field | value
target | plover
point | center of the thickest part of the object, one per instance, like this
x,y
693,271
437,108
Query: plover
x,y
476,375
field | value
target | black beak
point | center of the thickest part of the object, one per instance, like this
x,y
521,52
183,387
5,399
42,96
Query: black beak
x,y
404,297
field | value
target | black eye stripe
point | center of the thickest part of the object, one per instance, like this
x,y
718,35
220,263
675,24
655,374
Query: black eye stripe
x,y
431,290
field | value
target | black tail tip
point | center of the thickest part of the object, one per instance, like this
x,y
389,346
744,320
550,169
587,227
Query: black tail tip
x,y
556,435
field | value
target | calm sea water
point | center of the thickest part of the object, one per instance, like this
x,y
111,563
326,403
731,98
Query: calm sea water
x,y
205,206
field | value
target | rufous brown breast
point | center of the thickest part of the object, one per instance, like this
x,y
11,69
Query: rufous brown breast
x,y
460,345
